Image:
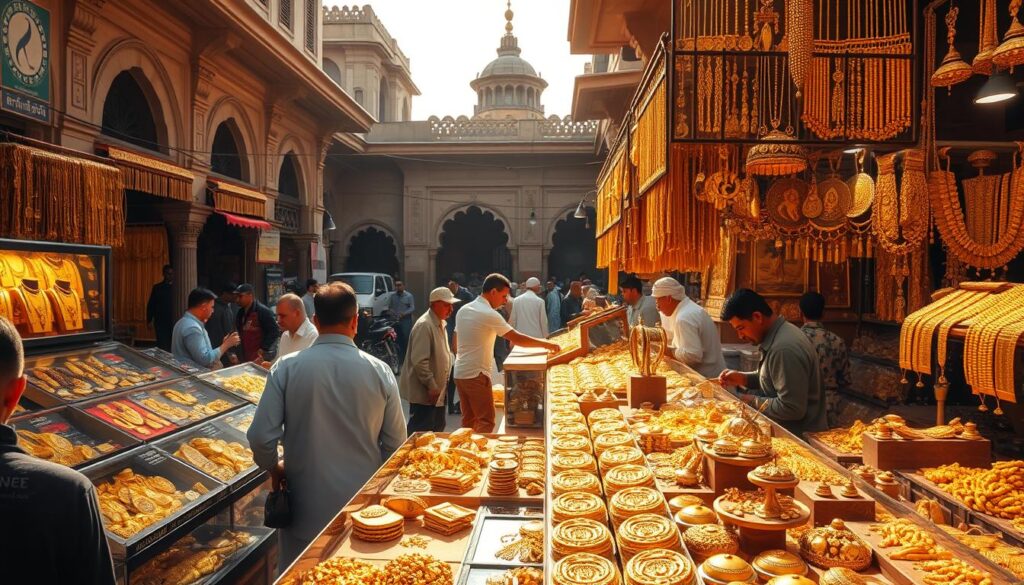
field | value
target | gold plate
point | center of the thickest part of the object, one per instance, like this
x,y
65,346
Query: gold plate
x,y
836,202
862,189
784,202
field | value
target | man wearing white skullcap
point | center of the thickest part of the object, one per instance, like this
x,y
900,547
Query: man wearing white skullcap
x,y
691,332
529,315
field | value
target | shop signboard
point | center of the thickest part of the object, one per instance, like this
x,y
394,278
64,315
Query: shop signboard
x,y
269,249
25,79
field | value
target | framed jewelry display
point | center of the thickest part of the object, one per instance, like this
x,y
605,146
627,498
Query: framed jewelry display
x,y
833,281
777,272
55,293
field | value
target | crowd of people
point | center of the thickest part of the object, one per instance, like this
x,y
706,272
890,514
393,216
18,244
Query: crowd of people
x,y
344,414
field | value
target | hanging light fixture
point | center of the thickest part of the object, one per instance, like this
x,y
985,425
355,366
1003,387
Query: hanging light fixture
x,y
1000,87
329,222
533,217
580,213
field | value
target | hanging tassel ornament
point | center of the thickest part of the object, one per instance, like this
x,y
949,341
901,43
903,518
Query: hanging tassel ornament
x,y
988,38
800,36
953,69
1011,52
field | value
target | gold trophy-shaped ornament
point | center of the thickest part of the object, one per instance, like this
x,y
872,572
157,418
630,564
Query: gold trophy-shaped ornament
x,y
647,346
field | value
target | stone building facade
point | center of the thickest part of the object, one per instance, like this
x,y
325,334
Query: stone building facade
x,y
498,191
227,96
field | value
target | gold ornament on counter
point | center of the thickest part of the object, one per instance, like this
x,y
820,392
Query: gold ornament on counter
x,y
647,345
835,546
707,540
658,567
726,568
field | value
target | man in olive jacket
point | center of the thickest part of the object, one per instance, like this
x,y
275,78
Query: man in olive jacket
x,y
428,361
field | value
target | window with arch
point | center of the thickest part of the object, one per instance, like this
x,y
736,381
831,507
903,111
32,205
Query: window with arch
x,y
332,70
128,115
509,94
226,157
382,101
359,96
288,184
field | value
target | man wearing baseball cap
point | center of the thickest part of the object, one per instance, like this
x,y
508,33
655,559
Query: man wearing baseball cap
x,y
528,312
693,335
427,364
256,324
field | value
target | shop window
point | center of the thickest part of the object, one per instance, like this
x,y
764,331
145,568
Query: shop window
x,y
127,114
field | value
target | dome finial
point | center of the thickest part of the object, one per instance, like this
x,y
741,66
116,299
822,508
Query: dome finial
x,y
508,17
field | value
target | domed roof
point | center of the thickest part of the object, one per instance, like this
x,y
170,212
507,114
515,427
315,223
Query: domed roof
x,y
509,62
508,65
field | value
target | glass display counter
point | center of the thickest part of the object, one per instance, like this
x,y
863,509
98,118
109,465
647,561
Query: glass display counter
x,y
244,380
167,358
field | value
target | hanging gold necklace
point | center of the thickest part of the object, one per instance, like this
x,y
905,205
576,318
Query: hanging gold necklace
x,y
953,69
949,219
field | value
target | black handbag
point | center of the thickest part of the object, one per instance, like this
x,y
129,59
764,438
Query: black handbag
x,y
277,511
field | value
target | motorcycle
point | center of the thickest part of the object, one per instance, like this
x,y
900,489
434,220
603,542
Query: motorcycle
x,y
377,337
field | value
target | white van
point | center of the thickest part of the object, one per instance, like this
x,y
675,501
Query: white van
x,y
373,289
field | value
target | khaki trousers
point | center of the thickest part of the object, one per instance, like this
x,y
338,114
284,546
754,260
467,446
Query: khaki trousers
x,y
477,403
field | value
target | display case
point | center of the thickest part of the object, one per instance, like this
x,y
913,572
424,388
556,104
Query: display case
x,y
525,387
211,553
167,358
217,449
81,374
245,380
174,493
69,437
55,293
184,401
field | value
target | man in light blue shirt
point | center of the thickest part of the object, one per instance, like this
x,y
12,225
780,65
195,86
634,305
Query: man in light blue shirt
x,y
189,340
338,414
553,303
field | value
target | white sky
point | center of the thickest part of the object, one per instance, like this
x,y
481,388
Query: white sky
x,y
449,41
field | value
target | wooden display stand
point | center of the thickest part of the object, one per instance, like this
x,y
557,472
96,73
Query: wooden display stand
x,y
640,389
824,509
730,472
837,456
890,454
758,534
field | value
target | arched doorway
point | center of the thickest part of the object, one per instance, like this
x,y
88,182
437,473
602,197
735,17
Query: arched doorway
x,y
473,241
372,250
128,114
228,154
574,248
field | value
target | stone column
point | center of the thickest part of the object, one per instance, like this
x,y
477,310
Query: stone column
x,y
302,242
185,228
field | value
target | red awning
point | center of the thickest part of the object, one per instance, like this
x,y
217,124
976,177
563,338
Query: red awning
x,y
245,222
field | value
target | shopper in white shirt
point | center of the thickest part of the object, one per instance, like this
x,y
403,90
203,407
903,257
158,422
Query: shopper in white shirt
x,y
307,299
529,316
477,326
692,333
299,332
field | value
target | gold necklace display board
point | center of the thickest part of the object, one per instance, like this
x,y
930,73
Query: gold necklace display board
x,y
847,70
51,293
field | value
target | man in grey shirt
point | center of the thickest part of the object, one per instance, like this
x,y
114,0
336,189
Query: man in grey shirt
x,y
338,414
638,305
789,379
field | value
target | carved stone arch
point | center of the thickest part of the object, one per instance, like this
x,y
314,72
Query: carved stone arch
x,y
128,54
457,207
379,237
559,216
307,183
362,226
229,108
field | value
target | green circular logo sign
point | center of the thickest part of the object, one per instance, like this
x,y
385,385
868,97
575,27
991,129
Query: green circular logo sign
x,y
26,48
